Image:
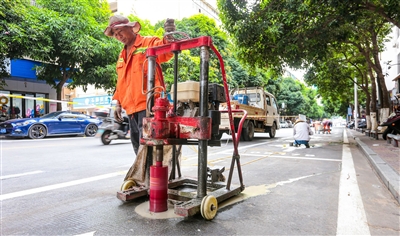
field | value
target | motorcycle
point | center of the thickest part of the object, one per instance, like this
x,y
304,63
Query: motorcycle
x,y
110,129
392,123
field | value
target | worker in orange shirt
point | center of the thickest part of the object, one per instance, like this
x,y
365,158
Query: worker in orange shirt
x,y
131,77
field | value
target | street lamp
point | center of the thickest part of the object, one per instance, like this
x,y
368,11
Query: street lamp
x,y
283,109
355,104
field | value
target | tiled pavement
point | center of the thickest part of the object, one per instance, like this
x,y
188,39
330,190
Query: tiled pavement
x,y
384,158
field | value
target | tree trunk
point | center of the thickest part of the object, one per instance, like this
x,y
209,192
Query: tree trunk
x,y
376,66
60,86
383,90
59,93
373,90
372,101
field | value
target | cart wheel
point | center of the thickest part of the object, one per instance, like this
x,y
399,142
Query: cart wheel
x,y
127,184
209,207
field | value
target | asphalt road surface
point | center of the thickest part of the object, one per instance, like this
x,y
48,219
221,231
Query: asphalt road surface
x,y
68,185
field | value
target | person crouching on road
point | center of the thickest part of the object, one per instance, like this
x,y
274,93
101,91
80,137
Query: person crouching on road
x,y
130,62
301,133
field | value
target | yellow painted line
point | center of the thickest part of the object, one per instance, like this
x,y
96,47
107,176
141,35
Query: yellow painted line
x,y
34,98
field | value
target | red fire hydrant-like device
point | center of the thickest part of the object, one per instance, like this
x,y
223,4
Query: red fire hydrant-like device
x,y
158,172
162,130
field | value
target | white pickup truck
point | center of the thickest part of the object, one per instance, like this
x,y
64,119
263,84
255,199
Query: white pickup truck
x,y
262,112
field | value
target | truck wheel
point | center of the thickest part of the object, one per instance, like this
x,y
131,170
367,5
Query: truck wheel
x,y
248,132
272,131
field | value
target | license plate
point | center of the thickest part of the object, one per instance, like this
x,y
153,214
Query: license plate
x,y
3,131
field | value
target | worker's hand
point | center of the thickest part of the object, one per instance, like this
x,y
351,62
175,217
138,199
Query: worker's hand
x,y
118,113
169,26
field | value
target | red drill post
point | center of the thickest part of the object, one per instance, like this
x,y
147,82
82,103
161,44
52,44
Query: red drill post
x,y
159,183
158,188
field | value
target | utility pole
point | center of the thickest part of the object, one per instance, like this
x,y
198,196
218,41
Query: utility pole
x,y
355,104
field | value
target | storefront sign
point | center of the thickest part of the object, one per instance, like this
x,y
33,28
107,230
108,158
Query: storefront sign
x,y
93,101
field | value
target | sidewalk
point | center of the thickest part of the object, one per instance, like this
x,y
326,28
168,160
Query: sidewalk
x,y
384,158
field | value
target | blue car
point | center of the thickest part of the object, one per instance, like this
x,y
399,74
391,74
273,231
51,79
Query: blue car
x,y
53,124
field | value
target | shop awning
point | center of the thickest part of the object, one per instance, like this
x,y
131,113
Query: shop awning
x,y
396,78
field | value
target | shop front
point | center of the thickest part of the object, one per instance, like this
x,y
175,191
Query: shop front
x,y
22,105
24,96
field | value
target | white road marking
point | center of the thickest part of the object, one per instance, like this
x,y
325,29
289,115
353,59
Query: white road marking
x,y
19,175
86,234
228,151
345,139
352,219
290,157
58,186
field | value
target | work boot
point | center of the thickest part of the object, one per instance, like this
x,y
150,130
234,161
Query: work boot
x,y
291,144
307,145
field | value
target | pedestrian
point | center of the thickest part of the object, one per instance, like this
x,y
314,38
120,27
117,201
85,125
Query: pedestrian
x,y
130,64
327,126
301,133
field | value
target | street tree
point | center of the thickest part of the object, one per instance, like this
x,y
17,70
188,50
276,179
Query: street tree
x,y
237,74
313,109
354,61
388,10
292,96
19,34
298,33
77,52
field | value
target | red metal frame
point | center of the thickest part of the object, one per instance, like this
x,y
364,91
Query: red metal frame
x,y
179,46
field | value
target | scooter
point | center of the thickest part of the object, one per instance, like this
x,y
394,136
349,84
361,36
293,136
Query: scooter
x,y
110,129
392,123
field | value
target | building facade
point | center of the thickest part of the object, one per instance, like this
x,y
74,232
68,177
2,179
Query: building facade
x,y
23,95
390,63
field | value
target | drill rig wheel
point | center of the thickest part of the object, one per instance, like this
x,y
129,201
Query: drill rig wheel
x,y
127,184
209,207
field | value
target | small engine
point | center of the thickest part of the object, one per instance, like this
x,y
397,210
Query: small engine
x,y
188,102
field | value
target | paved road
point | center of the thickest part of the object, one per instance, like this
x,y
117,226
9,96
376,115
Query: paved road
x,y
67,186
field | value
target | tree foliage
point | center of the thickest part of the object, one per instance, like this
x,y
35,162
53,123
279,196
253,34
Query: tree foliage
x,y
19,33
388,10
67,37
297,99
189,60
299,33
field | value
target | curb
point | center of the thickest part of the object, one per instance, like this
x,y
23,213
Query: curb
x,y
389,177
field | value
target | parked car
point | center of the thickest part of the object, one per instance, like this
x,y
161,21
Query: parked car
x,y
283,124
290,123
55,123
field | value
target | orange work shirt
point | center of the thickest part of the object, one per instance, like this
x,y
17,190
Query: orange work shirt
x,y
132,74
